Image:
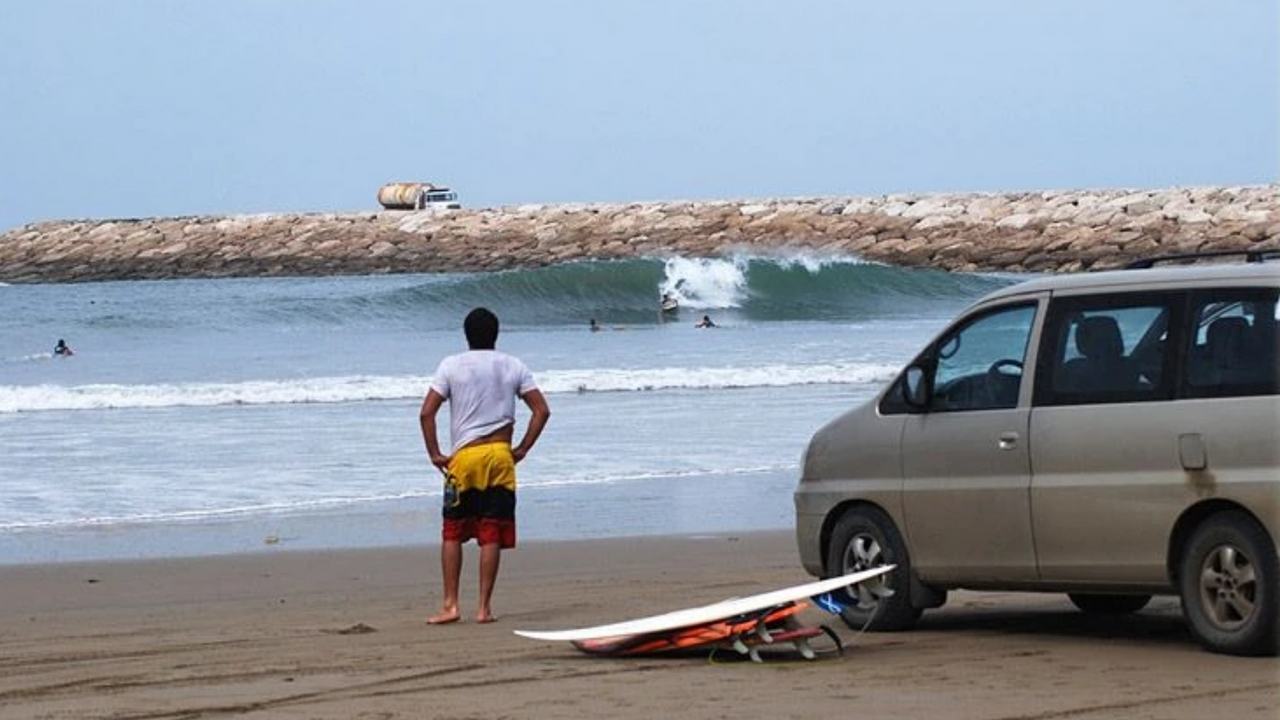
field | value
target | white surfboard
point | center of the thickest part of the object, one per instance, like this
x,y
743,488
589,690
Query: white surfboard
x,y
707,613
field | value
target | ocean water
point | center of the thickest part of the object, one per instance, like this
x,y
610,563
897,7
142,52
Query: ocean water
x,y
238,415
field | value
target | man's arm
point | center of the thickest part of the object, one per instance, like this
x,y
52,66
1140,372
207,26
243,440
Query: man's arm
x,y
540,413
427,419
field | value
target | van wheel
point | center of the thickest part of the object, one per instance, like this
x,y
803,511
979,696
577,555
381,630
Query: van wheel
x,y
1230,586
866,538
1109,604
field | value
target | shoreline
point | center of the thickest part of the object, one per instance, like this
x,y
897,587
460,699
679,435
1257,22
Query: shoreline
x,y
1052,231
641,509
343,635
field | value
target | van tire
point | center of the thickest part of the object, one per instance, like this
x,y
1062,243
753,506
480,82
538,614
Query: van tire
x,y
1229,581
864,538
1109,604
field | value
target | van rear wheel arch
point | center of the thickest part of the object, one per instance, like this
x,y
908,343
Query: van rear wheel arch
x,y
1186,525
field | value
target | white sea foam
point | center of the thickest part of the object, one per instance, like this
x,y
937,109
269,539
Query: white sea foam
x,y
723,283
705,283
359,388
815,263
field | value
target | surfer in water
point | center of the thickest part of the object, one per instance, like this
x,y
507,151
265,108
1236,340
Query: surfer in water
x,y
668,303
481,386
705,322
62,349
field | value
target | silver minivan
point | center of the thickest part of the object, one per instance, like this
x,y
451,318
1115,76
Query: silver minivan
x,y
1110,435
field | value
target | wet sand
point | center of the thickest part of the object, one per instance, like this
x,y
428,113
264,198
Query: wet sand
x,y
300,634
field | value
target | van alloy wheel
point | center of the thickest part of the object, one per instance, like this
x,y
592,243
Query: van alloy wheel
x,y
864,553
1228,587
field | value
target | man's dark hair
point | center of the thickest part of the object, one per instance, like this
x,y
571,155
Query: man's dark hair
x,y
481,327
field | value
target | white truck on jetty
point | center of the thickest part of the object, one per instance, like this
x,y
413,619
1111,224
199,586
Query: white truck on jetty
x,y
417,196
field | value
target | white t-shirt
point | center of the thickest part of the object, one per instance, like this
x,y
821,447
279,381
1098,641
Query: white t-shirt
x,y
481,387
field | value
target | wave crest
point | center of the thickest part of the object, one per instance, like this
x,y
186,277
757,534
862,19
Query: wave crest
x,y
359,388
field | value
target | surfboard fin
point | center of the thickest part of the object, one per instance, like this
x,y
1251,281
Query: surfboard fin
x,y
780,628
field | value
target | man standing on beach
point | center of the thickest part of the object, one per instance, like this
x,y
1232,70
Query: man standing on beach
x,y
481,386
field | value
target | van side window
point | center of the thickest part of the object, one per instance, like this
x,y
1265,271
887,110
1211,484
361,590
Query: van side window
x,y
1095,351
978,366
1233,344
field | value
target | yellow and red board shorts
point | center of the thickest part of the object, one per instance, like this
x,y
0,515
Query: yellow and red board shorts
x,y
480,495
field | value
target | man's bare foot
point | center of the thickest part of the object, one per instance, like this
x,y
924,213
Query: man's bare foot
x,y
486,617
444,617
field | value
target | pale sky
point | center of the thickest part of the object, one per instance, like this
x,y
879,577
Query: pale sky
x,y
134,108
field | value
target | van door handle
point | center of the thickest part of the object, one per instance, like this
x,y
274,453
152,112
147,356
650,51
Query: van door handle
x,y
1008,440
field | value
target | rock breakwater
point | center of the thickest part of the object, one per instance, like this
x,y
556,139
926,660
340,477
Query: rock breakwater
x,y
1030,231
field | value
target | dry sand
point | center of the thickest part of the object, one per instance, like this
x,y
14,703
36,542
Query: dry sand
x,y
341,635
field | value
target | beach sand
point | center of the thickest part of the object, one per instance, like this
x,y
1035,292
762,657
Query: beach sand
x,y
298,634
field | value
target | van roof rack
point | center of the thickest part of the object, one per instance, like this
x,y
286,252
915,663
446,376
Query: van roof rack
x,y
1252,256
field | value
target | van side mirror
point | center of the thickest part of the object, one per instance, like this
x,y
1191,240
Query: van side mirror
x,y
915,387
